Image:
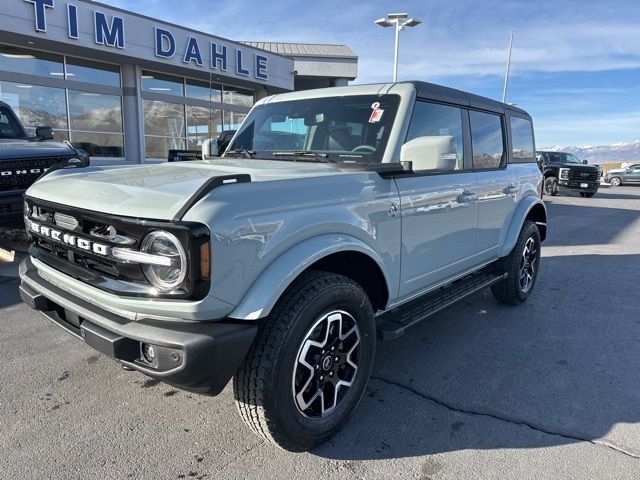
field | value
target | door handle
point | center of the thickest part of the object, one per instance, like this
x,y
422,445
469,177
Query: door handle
x,y
511,190
468,197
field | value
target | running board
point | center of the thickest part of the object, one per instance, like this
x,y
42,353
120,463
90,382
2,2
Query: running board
x,y
392,324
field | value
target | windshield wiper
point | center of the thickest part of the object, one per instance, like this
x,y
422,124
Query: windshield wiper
x,y
304,154
241,151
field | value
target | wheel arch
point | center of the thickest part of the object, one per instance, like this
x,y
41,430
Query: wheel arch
x,y
530,208
339,253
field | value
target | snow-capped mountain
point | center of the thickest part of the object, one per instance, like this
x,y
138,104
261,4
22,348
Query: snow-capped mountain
x,y
618,152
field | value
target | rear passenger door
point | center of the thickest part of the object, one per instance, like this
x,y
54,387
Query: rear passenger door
x,y
438,201
497,186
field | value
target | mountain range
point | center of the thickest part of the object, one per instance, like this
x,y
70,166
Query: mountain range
x,y
623,152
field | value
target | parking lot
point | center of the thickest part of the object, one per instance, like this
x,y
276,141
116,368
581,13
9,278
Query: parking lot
x,y
549,389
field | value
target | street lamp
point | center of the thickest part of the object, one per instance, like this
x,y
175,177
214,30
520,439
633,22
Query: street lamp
x,y
398,20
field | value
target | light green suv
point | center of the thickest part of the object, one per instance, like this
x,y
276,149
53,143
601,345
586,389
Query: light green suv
x,y
335,217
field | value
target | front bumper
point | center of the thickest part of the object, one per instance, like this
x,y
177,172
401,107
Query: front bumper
x,y
576,185
11,204
196,356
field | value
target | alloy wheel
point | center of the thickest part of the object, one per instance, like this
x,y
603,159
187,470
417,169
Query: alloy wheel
x,y
528,264
326,364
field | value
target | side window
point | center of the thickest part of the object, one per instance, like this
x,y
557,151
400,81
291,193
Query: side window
x,y
522,138
487,140
436,135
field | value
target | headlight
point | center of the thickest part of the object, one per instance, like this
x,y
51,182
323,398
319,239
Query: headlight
x,y
164,244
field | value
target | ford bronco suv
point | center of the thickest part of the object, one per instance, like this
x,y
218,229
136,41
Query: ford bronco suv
x,y
24,158
335,217
564,171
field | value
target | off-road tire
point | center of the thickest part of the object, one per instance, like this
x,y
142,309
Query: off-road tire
x,y
551,186
263,386
615,181
509,290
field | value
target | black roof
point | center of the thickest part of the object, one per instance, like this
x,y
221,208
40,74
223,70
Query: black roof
x,y
433,91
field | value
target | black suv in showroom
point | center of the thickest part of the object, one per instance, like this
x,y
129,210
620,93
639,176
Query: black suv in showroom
x,y
565,171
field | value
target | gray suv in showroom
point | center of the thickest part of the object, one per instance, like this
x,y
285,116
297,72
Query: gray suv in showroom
x,y
335,217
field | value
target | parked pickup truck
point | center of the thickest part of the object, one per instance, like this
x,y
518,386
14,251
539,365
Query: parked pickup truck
x,y
279,265
564,171
24,158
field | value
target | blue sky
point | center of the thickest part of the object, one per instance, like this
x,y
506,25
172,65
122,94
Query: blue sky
x,y
576,64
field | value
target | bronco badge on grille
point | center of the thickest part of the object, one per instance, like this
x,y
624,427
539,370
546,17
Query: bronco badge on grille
x,y
68,239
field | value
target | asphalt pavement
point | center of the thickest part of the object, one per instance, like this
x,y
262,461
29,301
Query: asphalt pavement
x,y
546,390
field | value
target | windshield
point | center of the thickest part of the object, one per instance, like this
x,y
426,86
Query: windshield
x,y
351,129
559,157
9,128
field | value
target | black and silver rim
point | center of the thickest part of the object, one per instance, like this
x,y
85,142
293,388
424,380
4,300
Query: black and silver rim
x,y
548,186
326,364
528,265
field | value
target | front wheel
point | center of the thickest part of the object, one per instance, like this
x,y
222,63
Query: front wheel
x,y
310,363
615,182
551,186
521,266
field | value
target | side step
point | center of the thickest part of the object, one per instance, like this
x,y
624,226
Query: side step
x,y
392,324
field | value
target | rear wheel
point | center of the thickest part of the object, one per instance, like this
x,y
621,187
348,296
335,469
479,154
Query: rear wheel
x,y
310,363
587,194
521,266
615,182
551,186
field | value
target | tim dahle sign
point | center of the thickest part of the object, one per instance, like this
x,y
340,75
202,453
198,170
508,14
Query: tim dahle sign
x,y
110,32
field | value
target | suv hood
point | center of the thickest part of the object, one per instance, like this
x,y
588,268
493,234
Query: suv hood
x,y
15,149
157,191
616,170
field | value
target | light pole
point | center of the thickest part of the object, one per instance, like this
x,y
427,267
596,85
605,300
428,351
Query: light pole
x,y
399,21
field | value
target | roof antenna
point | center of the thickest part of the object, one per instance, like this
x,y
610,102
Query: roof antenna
x,y
506,76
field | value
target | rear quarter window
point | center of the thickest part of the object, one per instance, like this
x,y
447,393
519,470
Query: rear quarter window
x,y
522,139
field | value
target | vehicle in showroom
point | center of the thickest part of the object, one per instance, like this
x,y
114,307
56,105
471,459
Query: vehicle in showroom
x,y
24,158
335,217
564,171
623,176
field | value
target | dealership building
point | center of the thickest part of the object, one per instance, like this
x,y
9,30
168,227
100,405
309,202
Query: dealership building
x,y
129,88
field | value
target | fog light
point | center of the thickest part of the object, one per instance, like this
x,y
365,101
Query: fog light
x,y
148,352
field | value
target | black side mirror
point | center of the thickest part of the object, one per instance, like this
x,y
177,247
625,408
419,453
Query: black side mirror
x,y
44,133
584,162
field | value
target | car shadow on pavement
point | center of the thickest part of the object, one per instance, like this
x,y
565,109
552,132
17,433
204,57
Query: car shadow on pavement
x,y
559,369
567,225
9,292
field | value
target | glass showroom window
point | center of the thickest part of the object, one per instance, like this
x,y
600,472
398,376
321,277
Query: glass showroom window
x,y
237,96
89,71
96,123
31,62
233,120
37,106
202,123
164,84
164,128
203,91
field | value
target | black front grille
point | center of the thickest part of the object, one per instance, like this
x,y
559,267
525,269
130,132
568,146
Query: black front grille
x,y
583,175
20,174
104,271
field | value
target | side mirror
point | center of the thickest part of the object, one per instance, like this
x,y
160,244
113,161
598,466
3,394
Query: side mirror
x,y
44,133
585,162
209,149
430,153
